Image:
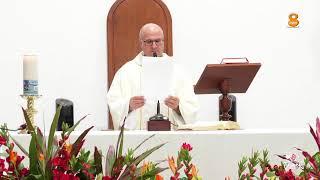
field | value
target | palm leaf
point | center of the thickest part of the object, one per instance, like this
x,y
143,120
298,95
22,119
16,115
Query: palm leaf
x,y
52,131
29,124
33,148
33,159
310,159
142,156
151,173
97,161
143,142
79,142
71,129
146,154
41,146
120,142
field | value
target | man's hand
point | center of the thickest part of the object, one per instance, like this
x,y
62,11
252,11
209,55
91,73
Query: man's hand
x,y
173,103
136,102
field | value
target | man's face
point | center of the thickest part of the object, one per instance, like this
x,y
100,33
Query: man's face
x,y
152,42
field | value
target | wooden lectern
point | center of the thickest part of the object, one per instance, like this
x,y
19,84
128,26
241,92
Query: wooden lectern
x,y
224,79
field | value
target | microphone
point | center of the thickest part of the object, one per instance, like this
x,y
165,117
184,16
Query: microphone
x,y
155,54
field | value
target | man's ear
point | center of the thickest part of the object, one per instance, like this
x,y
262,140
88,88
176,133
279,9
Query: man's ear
x,y
141,44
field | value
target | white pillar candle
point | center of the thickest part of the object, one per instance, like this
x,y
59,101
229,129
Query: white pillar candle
x,y
30,75
30,67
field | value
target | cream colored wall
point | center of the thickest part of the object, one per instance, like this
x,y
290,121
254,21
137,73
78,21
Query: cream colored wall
x,y
70,39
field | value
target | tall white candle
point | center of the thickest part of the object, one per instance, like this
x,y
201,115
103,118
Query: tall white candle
x,y
30,75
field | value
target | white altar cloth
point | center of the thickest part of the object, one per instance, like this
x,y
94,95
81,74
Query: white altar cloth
x,y
215,153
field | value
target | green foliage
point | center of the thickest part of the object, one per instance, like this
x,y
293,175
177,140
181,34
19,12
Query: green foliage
x,y
46,155
41,154
124,166
76,163
247,166
129,157
309,170
242,166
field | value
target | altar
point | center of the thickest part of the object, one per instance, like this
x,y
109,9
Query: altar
x,y
215,153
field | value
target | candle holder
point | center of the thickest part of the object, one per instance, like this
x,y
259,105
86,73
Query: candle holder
x,y
31,111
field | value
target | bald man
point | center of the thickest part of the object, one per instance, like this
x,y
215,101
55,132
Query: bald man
x,y
124,96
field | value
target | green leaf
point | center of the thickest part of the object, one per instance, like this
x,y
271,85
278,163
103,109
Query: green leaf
x,y
120,142
147,153
316,157
29,124
41,141
270,174
141,157
143,142
71,129
76,164
99,176
52,131
34,166
34,177
150,174
129,157
242,166
33,147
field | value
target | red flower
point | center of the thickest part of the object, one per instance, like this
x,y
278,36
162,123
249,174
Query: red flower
x,y
24,172
286,175
19,160
56,174
186,146
68,177
106,178
2,166
3,141
86,165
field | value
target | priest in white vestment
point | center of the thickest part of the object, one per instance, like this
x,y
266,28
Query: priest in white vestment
x,y
124,97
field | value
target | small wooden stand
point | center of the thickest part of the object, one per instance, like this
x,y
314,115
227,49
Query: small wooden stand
x,y
159,125
158,122
224,79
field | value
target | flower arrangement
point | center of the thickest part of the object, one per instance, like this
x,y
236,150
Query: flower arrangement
x,y
50,158
310,169
183,160
10,165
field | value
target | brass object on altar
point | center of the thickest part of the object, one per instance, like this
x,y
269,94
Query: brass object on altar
x,y
31,111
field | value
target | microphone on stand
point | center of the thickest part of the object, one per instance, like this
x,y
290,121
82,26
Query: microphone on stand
x,y
158,122
155,54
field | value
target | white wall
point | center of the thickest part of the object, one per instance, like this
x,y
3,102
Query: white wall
x,y
70,39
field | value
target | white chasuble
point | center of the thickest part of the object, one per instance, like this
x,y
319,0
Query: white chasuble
x,y
127,83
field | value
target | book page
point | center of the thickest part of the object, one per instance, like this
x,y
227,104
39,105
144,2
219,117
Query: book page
x,y
156,78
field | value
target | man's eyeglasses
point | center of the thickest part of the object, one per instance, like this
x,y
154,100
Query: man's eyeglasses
x,y
150,42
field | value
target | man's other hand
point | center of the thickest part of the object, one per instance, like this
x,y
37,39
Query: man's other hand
x,y
136,102
173,103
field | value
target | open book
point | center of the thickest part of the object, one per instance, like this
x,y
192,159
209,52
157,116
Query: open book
x,y
210,126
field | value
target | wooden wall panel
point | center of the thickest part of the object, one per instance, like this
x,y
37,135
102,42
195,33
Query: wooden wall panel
x,y
125,19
